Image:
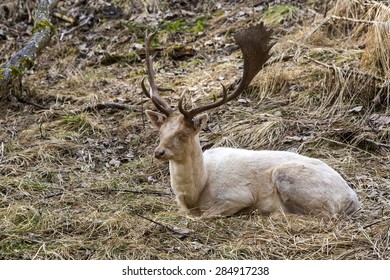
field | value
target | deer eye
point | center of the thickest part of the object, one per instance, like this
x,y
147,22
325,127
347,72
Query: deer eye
x,y
183,135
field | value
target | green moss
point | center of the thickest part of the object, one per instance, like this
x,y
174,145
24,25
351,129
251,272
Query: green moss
x,y
42,25
219,13
81,123
128,58
9,146
16,71
26,62
276,15
182,26
191,63
200,26
38,186
137,29
14,248
178,26
49,176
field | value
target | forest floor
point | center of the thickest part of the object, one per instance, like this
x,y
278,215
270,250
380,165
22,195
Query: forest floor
x,y
77,175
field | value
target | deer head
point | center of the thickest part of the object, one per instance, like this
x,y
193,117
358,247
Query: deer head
x,y
179,131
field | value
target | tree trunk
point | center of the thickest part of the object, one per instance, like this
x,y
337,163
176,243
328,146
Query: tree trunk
x,y
24,59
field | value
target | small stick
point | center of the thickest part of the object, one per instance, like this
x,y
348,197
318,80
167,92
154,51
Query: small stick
x,y
183,234
85,22
114,105
66,18
377,143
354,71
318,26
110,190
360,20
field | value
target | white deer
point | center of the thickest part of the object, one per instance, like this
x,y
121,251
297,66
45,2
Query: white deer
x,y
227,181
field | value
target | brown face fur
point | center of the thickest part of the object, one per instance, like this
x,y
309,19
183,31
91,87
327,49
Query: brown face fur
x,y
177,135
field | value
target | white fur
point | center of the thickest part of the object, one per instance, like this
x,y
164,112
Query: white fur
x,y
270,180
226,181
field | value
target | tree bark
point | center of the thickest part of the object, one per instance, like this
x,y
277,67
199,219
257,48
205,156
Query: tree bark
x,y
25,58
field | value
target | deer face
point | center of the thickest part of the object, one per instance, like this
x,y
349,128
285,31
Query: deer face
x,y
177,134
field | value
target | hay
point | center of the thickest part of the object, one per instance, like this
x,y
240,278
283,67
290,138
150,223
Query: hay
x,y
363,29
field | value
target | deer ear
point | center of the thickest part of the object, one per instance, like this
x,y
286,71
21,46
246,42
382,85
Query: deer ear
x,y
155,118
200,121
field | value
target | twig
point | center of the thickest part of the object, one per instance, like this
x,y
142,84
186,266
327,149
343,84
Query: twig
x,y
23,100
318,26
53,4
176,231
280,58
353,71
361,20
326,19
135,192
372,224
1,151
54,195
377,143
65,18
110,190
325,8
85,22
114,105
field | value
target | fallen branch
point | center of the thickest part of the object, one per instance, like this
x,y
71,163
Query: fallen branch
x,y
83,23
109,191
24,59
326,19
361,20
349,70
113,105
68,19
22,99
182,233
318,26
377,143
134,192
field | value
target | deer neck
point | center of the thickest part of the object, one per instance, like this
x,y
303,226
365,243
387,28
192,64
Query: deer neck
x,y
189,176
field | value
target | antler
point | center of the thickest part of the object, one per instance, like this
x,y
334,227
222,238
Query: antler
x,y
157,100
255,45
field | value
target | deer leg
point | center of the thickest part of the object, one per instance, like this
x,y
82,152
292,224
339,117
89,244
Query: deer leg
x,y
182,202
224,208
301,191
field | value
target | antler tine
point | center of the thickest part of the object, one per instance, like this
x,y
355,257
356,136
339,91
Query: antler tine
x,y
157,100
192,113
254,43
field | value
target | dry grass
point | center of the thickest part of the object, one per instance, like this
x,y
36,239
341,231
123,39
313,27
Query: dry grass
x,y
81,183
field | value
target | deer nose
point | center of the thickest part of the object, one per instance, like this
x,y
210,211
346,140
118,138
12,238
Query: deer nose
x,y
159,153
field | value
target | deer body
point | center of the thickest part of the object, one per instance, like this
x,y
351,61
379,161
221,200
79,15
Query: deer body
x,y
226,181
242,180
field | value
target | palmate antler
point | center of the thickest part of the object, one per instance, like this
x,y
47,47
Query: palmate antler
x,y
254,42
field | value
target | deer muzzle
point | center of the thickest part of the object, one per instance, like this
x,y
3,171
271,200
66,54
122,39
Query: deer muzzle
x,y
159,153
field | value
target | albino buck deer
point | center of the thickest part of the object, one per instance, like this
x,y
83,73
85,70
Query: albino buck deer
x,y
227,181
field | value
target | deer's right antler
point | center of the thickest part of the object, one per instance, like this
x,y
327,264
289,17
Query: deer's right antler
x,y
157,100
255,45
